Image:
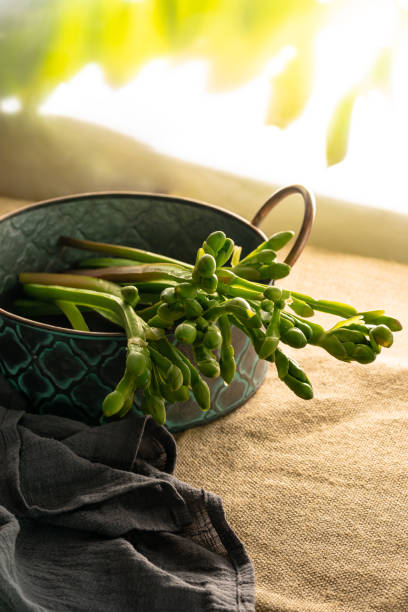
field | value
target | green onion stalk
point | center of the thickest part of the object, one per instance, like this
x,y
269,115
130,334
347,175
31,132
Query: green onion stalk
x,y
154,298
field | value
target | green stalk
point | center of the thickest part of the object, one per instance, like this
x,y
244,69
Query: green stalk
x,y
106,262
171,352
335,308
73,314
120,251
81,297
142,272
228,277
70,280
275,242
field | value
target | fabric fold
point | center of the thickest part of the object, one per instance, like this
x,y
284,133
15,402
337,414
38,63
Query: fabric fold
x,y
92,518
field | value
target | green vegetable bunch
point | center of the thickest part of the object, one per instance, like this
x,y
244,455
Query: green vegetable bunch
x,y
151,297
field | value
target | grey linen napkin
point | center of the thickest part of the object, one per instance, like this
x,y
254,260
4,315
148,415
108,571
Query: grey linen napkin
x,y
91,519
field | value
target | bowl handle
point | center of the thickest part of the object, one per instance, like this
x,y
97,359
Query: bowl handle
x,y
308,217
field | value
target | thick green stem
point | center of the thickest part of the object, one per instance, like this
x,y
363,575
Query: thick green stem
x,y
120,251
142,272
335,308
107,262
73,314
70,280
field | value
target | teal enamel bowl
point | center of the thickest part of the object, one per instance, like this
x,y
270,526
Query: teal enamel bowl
x,y
68,373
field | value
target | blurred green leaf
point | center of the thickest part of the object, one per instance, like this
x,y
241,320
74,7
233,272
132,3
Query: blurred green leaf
x,y
291,89
337,136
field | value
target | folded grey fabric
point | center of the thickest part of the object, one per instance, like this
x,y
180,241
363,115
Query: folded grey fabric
x,y
92,519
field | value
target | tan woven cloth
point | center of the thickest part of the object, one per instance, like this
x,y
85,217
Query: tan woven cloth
x,y
318,490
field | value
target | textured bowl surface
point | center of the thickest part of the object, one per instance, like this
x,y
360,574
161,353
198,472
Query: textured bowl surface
x,y
69,373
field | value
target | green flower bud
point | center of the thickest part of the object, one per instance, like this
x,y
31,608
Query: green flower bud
x,y
186,332
168,295
216,240
301,308
273,293
332,344
167,313
113,403
201,393
182,394
154,405
277,270
316,329
186,290
130,295
364,329
278,240
227,364
268,347
294,337
174,377
265,256
209,367
254,321
212,337
208,249
382,335
373,343
248,272
285,325
282,364
136,362
296,371
209,283
392,324
127,406
371,316
364,354
206,362
301,389
350,348
157,321
268,305
192,308
349,335
225,252
238,302
305,328
206,266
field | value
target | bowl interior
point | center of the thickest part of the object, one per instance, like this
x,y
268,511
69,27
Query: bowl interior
x,y
164,224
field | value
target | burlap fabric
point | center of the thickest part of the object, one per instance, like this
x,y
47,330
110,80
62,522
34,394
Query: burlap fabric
x,y
318,490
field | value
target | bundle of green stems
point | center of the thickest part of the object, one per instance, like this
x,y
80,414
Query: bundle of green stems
x,y
152,297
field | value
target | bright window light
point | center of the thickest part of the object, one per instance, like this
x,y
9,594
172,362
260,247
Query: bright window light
x,y
168,106
10,105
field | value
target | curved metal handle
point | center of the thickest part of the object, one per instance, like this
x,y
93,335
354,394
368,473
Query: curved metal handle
x,y
308,218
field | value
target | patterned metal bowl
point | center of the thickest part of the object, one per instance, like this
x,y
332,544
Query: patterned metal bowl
x,y
68,373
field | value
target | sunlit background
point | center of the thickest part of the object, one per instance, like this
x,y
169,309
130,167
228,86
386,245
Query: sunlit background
x,y
346,135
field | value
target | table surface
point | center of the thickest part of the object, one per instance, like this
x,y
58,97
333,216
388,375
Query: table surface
x,y
317,490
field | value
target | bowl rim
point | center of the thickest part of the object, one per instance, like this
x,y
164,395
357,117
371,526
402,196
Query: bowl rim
x,y
95,195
